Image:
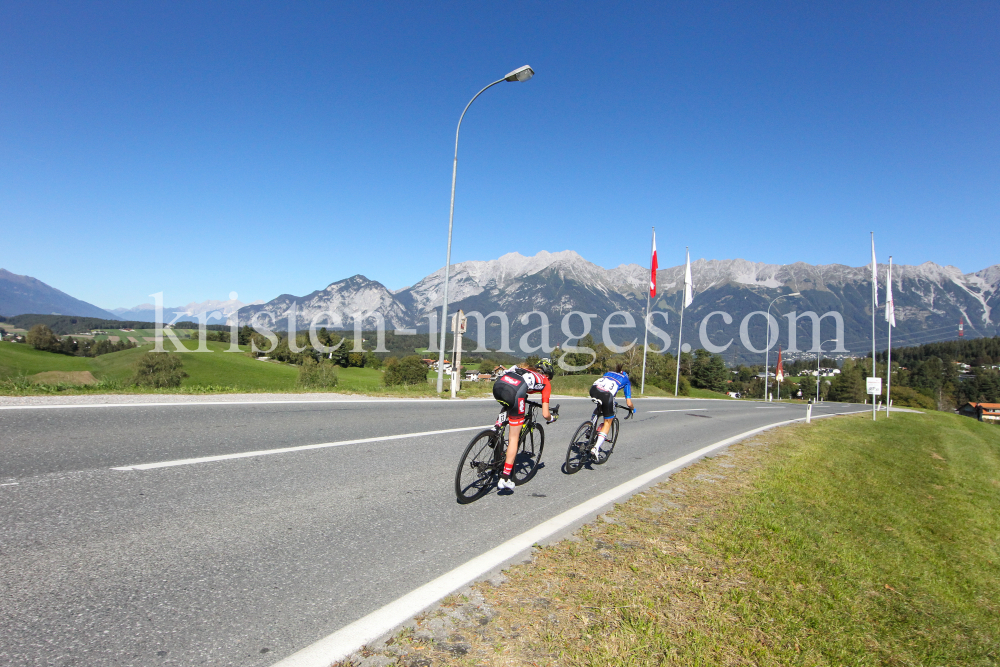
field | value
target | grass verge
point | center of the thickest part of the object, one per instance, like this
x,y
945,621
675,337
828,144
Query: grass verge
x,y
842,542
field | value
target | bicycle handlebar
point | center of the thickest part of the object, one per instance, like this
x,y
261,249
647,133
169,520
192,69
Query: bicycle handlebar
x,y
631,411
552,408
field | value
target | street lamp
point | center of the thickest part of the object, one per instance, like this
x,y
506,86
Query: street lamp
x,y
819,353
520,74
767,340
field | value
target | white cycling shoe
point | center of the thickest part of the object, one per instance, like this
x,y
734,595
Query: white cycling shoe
x,y
505,484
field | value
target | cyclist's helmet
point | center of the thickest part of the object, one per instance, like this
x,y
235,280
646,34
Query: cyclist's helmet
x,y
545,366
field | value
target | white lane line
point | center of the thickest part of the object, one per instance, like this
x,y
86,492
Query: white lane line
x,y
285,450
10,484
77,406
352,637
685,410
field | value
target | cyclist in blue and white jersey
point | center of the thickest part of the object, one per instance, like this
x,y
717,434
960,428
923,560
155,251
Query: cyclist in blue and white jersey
x,y
604,390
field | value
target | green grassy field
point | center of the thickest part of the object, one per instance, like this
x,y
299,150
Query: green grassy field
x,y
20,359
218,371
842,542
141,334
221,371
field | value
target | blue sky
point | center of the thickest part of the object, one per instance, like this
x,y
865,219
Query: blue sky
x,y
269,148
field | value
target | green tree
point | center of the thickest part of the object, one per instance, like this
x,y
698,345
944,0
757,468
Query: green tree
x,y
408,370
708,371
41,337
849,386
372,360
317,374
158,370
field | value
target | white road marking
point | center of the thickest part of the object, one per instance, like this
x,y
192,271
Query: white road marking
x,y
685,410
353,636
285,450
10,484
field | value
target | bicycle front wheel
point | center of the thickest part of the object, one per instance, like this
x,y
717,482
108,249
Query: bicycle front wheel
x,y
477,471
529,454
579,448
609,444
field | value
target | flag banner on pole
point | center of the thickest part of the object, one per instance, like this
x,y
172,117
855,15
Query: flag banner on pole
x,y
874,273
688,297
890,310
652,273
779,374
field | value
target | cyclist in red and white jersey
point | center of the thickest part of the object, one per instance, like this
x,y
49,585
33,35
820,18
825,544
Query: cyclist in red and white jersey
x,y
511,390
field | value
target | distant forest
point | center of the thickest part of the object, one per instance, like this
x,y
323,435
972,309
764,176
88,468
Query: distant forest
x,y
975,352
70,324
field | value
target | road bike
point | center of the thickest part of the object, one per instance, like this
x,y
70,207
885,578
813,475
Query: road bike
x,y
578,454
483,459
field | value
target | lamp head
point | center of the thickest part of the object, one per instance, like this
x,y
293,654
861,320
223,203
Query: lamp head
x,y
794,294
520,74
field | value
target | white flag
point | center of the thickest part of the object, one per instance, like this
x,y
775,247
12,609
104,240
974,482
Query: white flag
x,y
688,298
890,310
874,274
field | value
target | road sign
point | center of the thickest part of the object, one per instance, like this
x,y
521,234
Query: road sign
x,y
874,386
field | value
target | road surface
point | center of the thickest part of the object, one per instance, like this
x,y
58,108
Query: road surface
x,y
243,560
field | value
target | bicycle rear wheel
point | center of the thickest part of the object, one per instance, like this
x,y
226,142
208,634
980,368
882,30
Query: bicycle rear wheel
x,y
609,444
477,470
529,454
579,448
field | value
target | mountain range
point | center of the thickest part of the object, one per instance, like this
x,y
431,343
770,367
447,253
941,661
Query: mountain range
x,y
24,294
930,300
216,312
20,295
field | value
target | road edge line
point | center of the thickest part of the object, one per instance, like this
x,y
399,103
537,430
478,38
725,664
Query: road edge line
x,y
380,622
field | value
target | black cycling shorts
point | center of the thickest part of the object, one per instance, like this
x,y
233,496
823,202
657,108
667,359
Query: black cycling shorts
x,y
606,399
511,391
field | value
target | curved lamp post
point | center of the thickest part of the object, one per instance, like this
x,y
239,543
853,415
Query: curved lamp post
x,y
520,74
767,341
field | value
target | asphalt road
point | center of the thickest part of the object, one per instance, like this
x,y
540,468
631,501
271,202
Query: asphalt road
x,y
244,561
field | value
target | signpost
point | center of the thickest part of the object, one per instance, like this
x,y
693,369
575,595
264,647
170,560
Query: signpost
x,y
459,322
874,388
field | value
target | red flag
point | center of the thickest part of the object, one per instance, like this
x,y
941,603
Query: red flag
x,y
652,277
780,374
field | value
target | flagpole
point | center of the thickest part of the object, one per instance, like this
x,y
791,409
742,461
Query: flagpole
x,y
677,379
645,338
680,331
874,306
890,318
